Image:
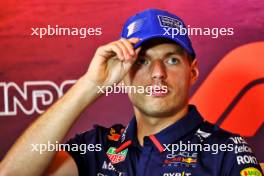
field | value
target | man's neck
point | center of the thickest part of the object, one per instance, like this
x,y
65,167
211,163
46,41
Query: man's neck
x,y
147,125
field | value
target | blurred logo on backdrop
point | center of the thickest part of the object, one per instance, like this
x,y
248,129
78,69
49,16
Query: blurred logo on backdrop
x,y
32,97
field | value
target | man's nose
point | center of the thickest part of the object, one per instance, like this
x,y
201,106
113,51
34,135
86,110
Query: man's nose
x,y
158,70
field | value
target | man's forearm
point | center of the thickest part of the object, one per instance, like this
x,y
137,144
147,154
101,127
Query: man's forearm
x,y
52,126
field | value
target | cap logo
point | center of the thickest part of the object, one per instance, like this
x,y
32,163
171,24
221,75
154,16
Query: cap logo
x,y
134,27
166,21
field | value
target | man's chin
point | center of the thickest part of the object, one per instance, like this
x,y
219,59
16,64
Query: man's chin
x,y
161,114
158,111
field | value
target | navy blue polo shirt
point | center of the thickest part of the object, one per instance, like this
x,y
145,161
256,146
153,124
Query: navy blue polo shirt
x,y
189,147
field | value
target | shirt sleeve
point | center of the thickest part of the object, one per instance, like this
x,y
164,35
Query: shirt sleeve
x,y
240,160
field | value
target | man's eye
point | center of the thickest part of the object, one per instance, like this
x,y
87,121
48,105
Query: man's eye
x,y
141,61
173,61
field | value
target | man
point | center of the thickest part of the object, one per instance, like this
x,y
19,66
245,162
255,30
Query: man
x,y
159,139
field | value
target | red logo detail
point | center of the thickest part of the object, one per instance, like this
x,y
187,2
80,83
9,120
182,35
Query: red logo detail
x,y
113,135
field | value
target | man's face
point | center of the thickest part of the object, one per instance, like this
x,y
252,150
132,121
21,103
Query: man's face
x,y
164,64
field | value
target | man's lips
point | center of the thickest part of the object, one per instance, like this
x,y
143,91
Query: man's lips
x,y
158,94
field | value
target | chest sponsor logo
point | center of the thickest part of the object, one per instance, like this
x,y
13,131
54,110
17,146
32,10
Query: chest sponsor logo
x,y
116,157
108,166
177,174
184,159
113,136
250,171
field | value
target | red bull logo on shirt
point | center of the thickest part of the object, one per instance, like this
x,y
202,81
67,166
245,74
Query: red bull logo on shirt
x,y
181,159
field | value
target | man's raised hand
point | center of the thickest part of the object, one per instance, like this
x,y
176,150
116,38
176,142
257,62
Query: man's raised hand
x,y
112,62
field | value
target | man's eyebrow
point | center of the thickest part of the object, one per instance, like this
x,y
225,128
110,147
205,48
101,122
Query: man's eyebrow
x,y
174,51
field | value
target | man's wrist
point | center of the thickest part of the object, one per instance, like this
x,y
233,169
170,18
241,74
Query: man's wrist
x,y
88,87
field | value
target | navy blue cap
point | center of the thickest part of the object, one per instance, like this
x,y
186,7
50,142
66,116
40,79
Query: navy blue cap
x,y
155,23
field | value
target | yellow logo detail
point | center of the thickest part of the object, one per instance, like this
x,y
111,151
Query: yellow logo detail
x,y
250,171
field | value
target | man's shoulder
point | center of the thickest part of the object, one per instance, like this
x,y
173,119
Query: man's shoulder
x,y
213,133
102,130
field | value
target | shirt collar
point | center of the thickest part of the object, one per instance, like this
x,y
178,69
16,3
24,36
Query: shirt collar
x,y
129,136
169,135
182,127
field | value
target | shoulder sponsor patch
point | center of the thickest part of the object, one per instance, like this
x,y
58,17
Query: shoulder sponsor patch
x,y
250,171
246,159
116,157
238,140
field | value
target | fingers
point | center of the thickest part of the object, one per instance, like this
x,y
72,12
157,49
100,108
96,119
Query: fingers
x,y
134,40
122,48
116,49
125,49
129,46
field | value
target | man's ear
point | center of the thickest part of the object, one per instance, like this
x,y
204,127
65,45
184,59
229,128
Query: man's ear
x,y
194,71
